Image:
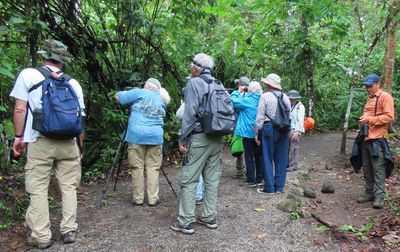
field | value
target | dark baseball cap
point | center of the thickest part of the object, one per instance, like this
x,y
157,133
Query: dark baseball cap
x,y
371,79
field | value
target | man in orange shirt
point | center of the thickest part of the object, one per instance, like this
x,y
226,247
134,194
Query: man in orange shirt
x,y
378,114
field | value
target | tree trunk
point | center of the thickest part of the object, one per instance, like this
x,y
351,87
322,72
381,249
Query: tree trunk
x,y
347,116
390,51
308,58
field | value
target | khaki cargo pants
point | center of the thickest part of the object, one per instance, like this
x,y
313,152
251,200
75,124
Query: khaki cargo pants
x,y
41,156
147,157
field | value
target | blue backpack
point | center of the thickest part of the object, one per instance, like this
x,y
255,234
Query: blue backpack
x,y
60,116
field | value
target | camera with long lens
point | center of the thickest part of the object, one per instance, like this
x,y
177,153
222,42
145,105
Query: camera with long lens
x,y
364,129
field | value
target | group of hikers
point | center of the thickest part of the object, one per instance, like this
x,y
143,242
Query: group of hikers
x,y
269,152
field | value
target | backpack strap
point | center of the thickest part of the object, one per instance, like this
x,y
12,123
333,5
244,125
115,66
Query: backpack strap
x,y
277,97
208,81
46,72
376,104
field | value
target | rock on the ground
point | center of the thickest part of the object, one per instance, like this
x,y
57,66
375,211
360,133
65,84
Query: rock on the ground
x,y
293,196
305,214
309,192
296,191
289,205
327,167
328,187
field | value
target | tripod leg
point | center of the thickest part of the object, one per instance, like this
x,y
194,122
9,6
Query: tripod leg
x,y
169,182
104,190
119,166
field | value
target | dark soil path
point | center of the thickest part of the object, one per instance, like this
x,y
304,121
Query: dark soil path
x,y
247,221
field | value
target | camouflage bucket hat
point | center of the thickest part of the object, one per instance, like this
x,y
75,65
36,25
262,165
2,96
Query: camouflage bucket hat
x,y
55,50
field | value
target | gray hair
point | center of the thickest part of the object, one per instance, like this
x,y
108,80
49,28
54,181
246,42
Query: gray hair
x,y
151,86
165,96
202,60
255,87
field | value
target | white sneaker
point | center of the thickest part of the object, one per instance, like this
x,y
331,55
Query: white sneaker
x,y
261,190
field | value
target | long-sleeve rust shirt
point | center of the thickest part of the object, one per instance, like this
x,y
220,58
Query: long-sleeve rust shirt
x,y
378,123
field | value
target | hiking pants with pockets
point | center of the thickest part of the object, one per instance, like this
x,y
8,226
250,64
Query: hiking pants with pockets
x,y
141,157
203,157
41,156
374,169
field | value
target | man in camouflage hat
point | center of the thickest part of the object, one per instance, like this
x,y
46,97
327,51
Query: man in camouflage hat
x,y
55,50
45,151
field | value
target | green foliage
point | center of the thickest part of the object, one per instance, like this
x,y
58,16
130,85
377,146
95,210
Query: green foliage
x,y
358,231
322,229
347,228
21,205
6,216
295,215
395,207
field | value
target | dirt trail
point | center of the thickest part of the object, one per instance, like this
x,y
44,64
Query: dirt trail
x,y
120,226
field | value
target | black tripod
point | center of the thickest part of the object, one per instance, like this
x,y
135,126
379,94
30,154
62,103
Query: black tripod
x,y
120,154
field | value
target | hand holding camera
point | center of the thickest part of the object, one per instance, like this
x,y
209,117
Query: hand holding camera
x,y
243,88
364,119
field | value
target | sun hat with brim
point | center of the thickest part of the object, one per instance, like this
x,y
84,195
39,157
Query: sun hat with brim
x,y
273,80
154,81
293,94
371,79
243,81
55,50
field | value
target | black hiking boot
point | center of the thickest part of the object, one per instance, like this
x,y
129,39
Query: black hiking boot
x,y
365,197
212,224
185,230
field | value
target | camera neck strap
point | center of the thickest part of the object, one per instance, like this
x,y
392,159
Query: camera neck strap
x,y
376,104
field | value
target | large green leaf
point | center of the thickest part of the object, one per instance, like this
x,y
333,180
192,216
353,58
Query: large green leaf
x,y
4,71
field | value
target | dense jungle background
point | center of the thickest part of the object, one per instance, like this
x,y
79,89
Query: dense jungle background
x,y
323,48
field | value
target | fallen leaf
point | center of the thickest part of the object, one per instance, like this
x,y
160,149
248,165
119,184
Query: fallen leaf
x,y
259,209
14,244
262,236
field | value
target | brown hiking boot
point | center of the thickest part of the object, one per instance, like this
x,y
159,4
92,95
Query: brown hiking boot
x,y
69,237
40,245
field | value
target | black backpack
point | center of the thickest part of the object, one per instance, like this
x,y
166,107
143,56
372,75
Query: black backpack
x,y
281,121
218,116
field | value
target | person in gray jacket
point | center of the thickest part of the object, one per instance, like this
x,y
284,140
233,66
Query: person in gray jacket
x,y
297,113
202,152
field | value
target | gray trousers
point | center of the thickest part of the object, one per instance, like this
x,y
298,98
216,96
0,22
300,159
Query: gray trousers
x,y
204,157
294,153
374,169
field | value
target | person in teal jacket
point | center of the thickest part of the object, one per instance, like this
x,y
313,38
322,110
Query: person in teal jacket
x,y
246,101
145,138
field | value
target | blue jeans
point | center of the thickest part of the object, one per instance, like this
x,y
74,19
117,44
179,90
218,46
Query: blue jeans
x,y
275,149
200,188
253,158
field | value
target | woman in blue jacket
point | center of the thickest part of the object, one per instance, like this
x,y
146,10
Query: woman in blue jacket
x,y
246,101
145,138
